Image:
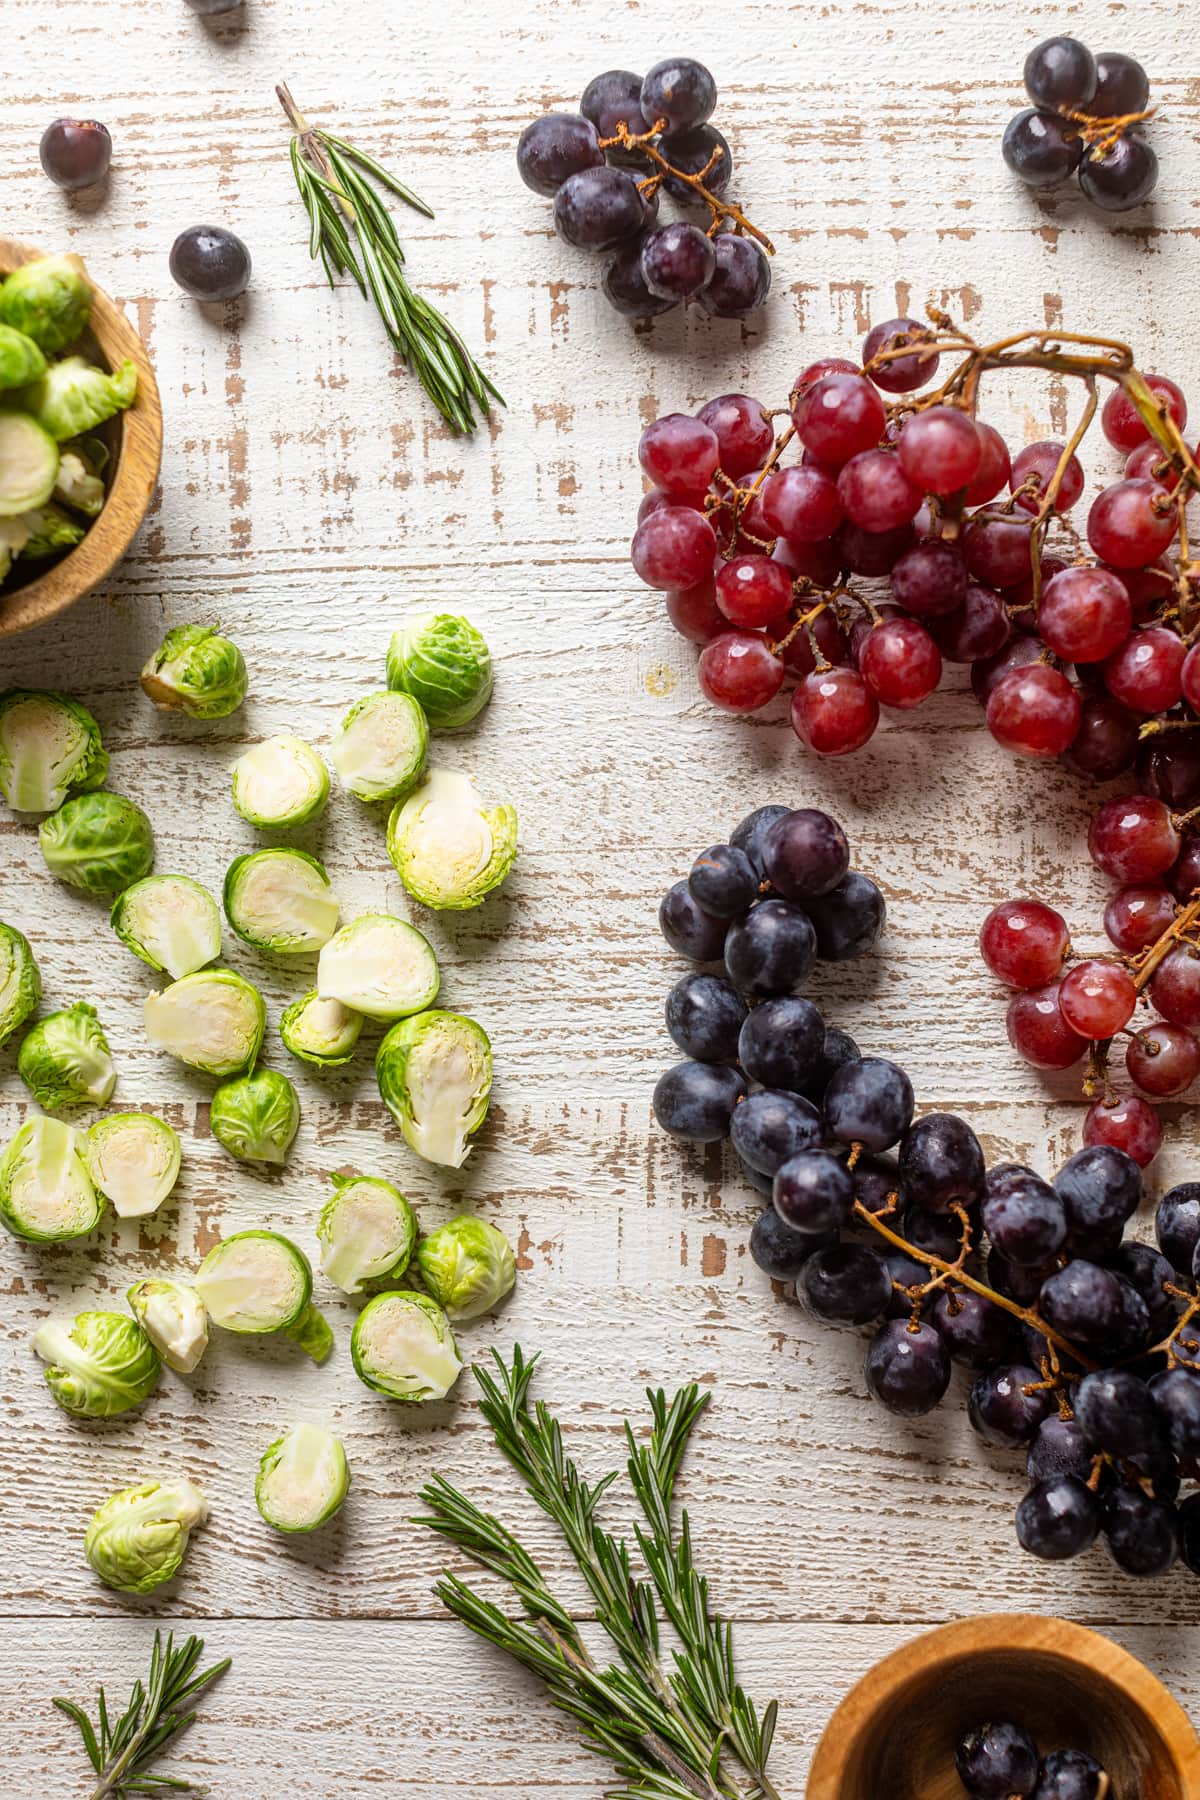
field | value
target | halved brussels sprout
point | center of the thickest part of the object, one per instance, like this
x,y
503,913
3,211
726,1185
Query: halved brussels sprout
x,y
65,1060
435,1078
99,842
46,1193
196,671
21,361
256,1116
74,395
367,1230
171,922
379,965
133,1160
78,483
303,1479
49,747
20,980
98,1364
213,1021
256,1282
48,299
28,464
323,1032
449,850
280,783
379,747
402,1346
50,530
445,664
137,1540
468,1266
172,1316
280,900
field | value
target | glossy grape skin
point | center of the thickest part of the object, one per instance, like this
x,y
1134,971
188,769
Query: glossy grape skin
x,y
210,263
997,1761
1001,1410
1122,86
673,547
1038,1032
838,417
977,629
1085,614
690,152
1175,988
778,1252
995,466
1060,73
1189,678
694,1101
900,663
1164,1060
745,434
598,209
1024,943
940,450
932,1234
1128,525
1106,743
1142,1535
1058,1448
839,1048
1041,149
1123,178
613,99
1147,1271
1083,1302
903,373
814,1192
781,1044
1176,1397
1069,1775
739,672
554,148
1034,712
1130,1124
846,1285
805,853
1122,423
875,493
751,834
849,919
677,261
75,153
723,881
771,951
741,278
704,1016
997,548
1146,673
1101,1189
1025,1220
1018,653
941,1163
679,454
976,1332
1097,999
801,504
1042,460
695,614
680,91
689,930
769,1128
871,553
1138,914
834,712
625,286
753,590
1133,838
869,1102
1183,878
1059,1518
1177,1225
907,1369
1116,1413
930,580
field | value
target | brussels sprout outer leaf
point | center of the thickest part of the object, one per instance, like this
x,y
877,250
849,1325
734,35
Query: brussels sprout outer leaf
x,y
173,1317
46,1193
65,1060
138,1538
213,1020
256,1116
21,360
313,1334
99,842
20,980
99,1365
170,922
402,1346
74,396
78,485
435,1077
49,747
133,1159
444,663
321,1032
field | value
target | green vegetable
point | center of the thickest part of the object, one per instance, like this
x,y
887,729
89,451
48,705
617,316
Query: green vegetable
x,y
303,1479
99,1364
20,980
122,1750
445,664
281,900
322,1032
74,395
46,1193
28,463
256,1282
449,851
49,747
256,1116
435,1077
172,1316
380,966
379,748
50,530
280,783
213,1021
197,672
65,1061
79,483
133,1160
99,842
21,361
367,1231
137,1540
402,1346
171,922
468,1266
48,299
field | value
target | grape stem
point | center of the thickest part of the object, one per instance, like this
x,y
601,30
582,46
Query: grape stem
x,y
1143,968
643,143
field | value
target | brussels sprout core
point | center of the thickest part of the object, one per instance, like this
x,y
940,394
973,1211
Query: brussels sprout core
x,y
256,1116
380,966
435,1076
28,464
196,671
402,1346
172,1316
367,1231
448,850
468,1266
99,1364
319,1031
213,1020
64,1060
137,1540
280,782
171,922
133,1159
303,1479
49,746
281,900
20,980
99,842
46,1193
442,661
380,745
258,1281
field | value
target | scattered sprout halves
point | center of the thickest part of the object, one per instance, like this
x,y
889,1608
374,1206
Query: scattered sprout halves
x,y
367,1231
303,1479
321,1032
197,671
402,1346
174,1318
257,1282
133,1159
435,1077
280,783
379,748
20,981
46,1192
170,922
280,900
49,747
379,965
449,850
213,1020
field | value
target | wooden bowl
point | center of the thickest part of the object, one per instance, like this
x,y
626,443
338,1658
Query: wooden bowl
x,y
895,1734
134,439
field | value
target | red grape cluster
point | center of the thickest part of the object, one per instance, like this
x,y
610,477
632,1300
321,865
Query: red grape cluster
x,y
1085,121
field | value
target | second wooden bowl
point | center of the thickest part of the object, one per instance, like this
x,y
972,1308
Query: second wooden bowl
x,y
896,1733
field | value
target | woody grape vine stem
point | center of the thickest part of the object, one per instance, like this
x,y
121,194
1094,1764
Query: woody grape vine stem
x,y
643,144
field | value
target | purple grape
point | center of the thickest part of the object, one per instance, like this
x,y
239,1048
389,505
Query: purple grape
x,y
741,279
1176,1396
907,1368
1060,73
695,1101
1069,1775
997,1761
677,261
75,153
1059,1518
769,1128
1122,86
778,1252
1100,1187
1116,1412
1041,149
611,100
869,1102
1177,1225
781,1042
1142,1534
839,1048
690,152
846,1285
1024,1218
1004,1407
1059,1448
771,951
814,1192
849,919
752,833
941,1163
688,929
976,1332
680,91
598,208
1123,178
210,263
723,881
704,1017
805,854
625,285
554,148
1083,1302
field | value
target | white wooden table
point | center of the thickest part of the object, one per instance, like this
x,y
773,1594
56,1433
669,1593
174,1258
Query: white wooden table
x,y
309,497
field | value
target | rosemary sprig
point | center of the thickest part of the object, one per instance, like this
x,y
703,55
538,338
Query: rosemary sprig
x,y
121,1753
677,1727
352,232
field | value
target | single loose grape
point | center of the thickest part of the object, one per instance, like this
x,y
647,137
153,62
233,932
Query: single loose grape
x,y
75,153
210,263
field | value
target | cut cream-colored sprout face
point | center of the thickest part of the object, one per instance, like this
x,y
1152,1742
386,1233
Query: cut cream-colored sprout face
x,y
446,837
12,967
377,749
283,901
209,1025
400,1346
307,1476
175,921
49,1189
363,1231
134,1161
43,743
173,1317
253,1284
325,1027
442,1075
277,780
379,966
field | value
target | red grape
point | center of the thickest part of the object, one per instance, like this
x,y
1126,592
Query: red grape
x,y
1175,988
819,563
739,671
1024,943
871,553
1127,1124
1189,678
997,548
1085,614
1034,711
1039,1033
987,675
1133,839
1168,767
903,373
876,493
673,548
1106,743
1164,1060
694,612
1130,524
995,464
1184,878
940,450
752,518
1042,459
655,500
833,711
930,580
839,416
679,454
802,504
1149,462
1146,673
1124,426
745,434
1097,999
900,663
1148,589
753,590
1137,916
830,641
827,365
977,629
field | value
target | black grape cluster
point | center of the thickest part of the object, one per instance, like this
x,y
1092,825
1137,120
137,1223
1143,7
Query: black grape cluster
x,y
1085,121
607,198
1000,1761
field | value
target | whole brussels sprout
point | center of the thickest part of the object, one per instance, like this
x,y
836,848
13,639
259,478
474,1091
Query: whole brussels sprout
x,y
303,1479
256,1116
257,1282
48,299
99,842
75,396
28,467
50,531
97,1365
138,1539
173,1317
435,1078
468,1266
402,1346
322,1032
213,1021
20,359
49,747
280,783
46,1193
79,484
380,966
197,672
20,980
379,748
448,850
65,1061
133,1160
170,922
280,900
367,1230
445,664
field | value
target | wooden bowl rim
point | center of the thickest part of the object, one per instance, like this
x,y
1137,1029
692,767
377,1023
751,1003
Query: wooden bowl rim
x,y
950,1644
139,453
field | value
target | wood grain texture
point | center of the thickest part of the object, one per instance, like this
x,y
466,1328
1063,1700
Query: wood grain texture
x,y
310,497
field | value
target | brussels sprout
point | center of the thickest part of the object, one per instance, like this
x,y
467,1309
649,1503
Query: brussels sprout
x,y
256,1116
213,1021
280,900
380,966
442,661
197,672
64,1060
20,359
435,1078
303,1479
78,484
73,396
28,464
137,1540
48,299
99,842
133,1160
97,1365
46,1193
402,1346
256,1282
171,922
468,1266
280,783
49,747
14,535
379,748
50,530
448,850
172,1316
20,980
367,1230
319,1031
